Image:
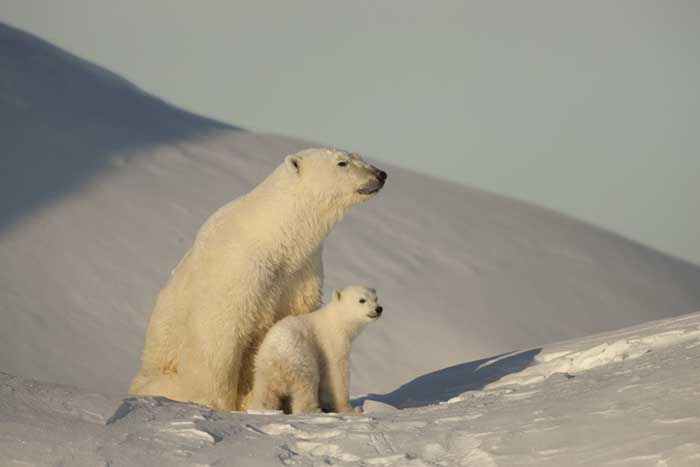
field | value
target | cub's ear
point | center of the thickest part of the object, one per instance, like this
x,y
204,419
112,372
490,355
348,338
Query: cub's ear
x,y
292,163
337,293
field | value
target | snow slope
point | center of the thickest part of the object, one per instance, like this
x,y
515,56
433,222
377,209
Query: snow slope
x,y
623,398
103,187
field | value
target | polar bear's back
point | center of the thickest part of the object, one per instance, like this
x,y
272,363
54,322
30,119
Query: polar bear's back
x,y
289,354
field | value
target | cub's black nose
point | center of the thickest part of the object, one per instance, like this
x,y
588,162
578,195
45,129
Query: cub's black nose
x,y
379,310
381,175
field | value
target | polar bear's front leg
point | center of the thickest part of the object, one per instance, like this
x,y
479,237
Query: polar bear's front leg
x,y
209,379
218,333
339,390
303,294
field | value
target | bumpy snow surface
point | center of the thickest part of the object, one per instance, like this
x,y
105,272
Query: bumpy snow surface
x,y
624,398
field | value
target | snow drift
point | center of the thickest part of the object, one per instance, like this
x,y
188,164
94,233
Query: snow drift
x,y
102,188
636,406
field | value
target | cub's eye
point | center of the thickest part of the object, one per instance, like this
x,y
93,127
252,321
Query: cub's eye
x,y
343,163
362,300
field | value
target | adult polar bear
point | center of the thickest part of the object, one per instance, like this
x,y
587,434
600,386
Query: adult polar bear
x,y
254,261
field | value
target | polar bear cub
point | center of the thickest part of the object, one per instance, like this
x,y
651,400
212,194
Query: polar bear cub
x,y
305,359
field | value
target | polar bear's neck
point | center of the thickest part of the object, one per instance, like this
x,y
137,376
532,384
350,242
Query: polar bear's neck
x,y
289,220
334,329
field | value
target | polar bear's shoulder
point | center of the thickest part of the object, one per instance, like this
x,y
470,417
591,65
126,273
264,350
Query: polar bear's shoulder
x,y
288,331
296,323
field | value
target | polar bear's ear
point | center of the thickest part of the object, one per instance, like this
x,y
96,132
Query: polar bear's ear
x,y
337,293
292,163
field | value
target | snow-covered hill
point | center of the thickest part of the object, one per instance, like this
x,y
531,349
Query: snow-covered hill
x,y
624,398
103,187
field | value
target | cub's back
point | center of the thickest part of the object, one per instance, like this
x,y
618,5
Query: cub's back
x,y
290,344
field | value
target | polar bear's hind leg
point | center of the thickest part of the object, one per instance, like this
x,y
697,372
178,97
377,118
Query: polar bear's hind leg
x,y
304,399
264,397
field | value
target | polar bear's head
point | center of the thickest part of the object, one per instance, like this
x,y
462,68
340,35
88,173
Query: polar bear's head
x,y
336,176
358,305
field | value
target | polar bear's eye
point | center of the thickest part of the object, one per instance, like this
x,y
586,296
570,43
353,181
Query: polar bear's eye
x,y
343,163
362,300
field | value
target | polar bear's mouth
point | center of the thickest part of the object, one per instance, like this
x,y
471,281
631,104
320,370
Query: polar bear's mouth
x,y
376,313
371,189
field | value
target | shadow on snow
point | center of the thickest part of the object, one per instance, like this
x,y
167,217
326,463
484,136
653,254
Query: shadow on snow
x,y
62,119
442,385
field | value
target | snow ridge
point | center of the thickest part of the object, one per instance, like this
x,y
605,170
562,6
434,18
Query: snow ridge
x,y
570,362
610,411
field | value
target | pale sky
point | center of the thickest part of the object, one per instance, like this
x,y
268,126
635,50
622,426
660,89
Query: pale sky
x,y
591,108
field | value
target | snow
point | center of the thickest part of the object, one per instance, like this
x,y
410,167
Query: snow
x,y
636,411
102,188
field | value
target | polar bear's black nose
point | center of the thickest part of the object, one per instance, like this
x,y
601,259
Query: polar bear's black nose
x,y
381,175
379,310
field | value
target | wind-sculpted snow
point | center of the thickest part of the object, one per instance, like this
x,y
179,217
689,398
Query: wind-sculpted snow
x,y
603,350
640,410
103,187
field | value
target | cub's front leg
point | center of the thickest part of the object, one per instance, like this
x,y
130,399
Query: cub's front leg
x,y
338,390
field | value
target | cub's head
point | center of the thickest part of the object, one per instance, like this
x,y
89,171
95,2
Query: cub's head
x,y
336,176
357,304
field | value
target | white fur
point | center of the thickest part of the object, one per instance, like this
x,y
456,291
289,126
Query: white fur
x,y
254,261
306,358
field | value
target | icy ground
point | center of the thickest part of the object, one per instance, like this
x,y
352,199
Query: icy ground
x,y
624,398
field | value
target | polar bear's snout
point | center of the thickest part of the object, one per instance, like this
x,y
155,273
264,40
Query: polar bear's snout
x,y
374,185
377,312
380,174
